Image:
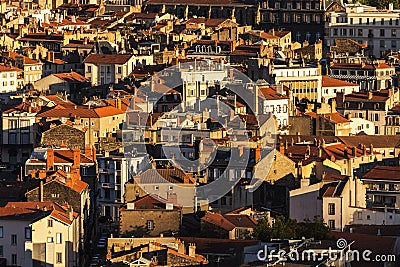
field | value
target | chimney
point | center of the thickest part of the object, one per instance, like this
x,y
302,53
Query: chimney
x,y
71,213
94,154
364,148
345,152
308,150
192,250
319,152
50,158
88,151
257,153
369,94
73,19
281,148
354,151
348,116
50,56
371,149
181,247
119,104
41,192
77,156
172,198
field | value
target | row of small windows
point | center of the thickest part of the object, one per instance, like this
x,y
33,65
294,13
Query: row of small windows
x,y
362,72
360,32
305,90
367,21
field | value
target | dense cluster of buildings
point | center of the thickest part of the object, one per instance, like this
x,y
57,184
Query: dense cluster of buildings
x,y
120,119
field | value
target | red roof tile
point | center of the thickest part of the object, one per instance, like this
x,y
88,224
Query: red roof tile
x,y
108,58
331,82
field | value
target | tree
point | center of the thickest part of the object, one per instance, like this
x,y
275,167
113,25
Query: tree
x,y
284,228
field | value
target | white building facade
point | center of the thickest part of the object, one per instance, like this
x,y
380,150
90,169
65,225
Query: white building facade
x,y
365,24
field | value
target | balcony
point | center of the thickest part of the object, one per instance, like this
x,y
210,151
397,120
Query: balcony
x,y
107,185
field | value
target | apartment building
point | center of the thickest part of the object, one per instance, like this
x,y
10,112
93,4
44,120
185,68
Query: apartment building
x,y
39,233
303,81
115,170
18,135
383,187
108,68
101,122
276,102
371,105
365,24
10,79
32,69
370,76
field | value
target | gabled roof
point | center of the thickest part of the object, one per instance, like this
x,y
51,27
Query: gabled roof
x,y
332,82
218,220
150,202
378,141
173,175
108,58
71,77
32,211
383,173
80,112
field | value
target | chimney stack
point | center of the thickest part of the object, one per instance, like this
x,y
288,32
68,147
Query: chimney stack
x,y
77,156
192,250
41,192
371,149
50,158
354,151
369,94
257,153
364,148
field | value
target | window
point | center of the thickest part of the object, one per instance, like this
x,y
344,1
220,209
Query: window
x,y
368,217
156,187
331,209
382,32
1,251
28,233
50,223
13,239
150,225
382,22
119,70
1,231
394,33
59,257
382,43
170,187
89,69
360,32
14,259
58,238
50,240
332,224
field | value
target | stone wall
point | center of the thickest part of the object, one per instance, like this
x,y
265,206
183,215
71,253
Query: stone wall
x,y
134,222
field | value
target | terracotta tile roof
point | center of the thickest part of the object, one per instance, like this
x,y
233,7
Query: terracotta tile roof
x,y
212,22
71,77
26,60
333,117
271,94
378,141
377,96
198,2
332,82
383,173
59,101
62,156
35,210
108,58
218,220
24,107
77,185
335,189
4,68
150,202
263,34
173,175
240,220
385,230
81,112
360,66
